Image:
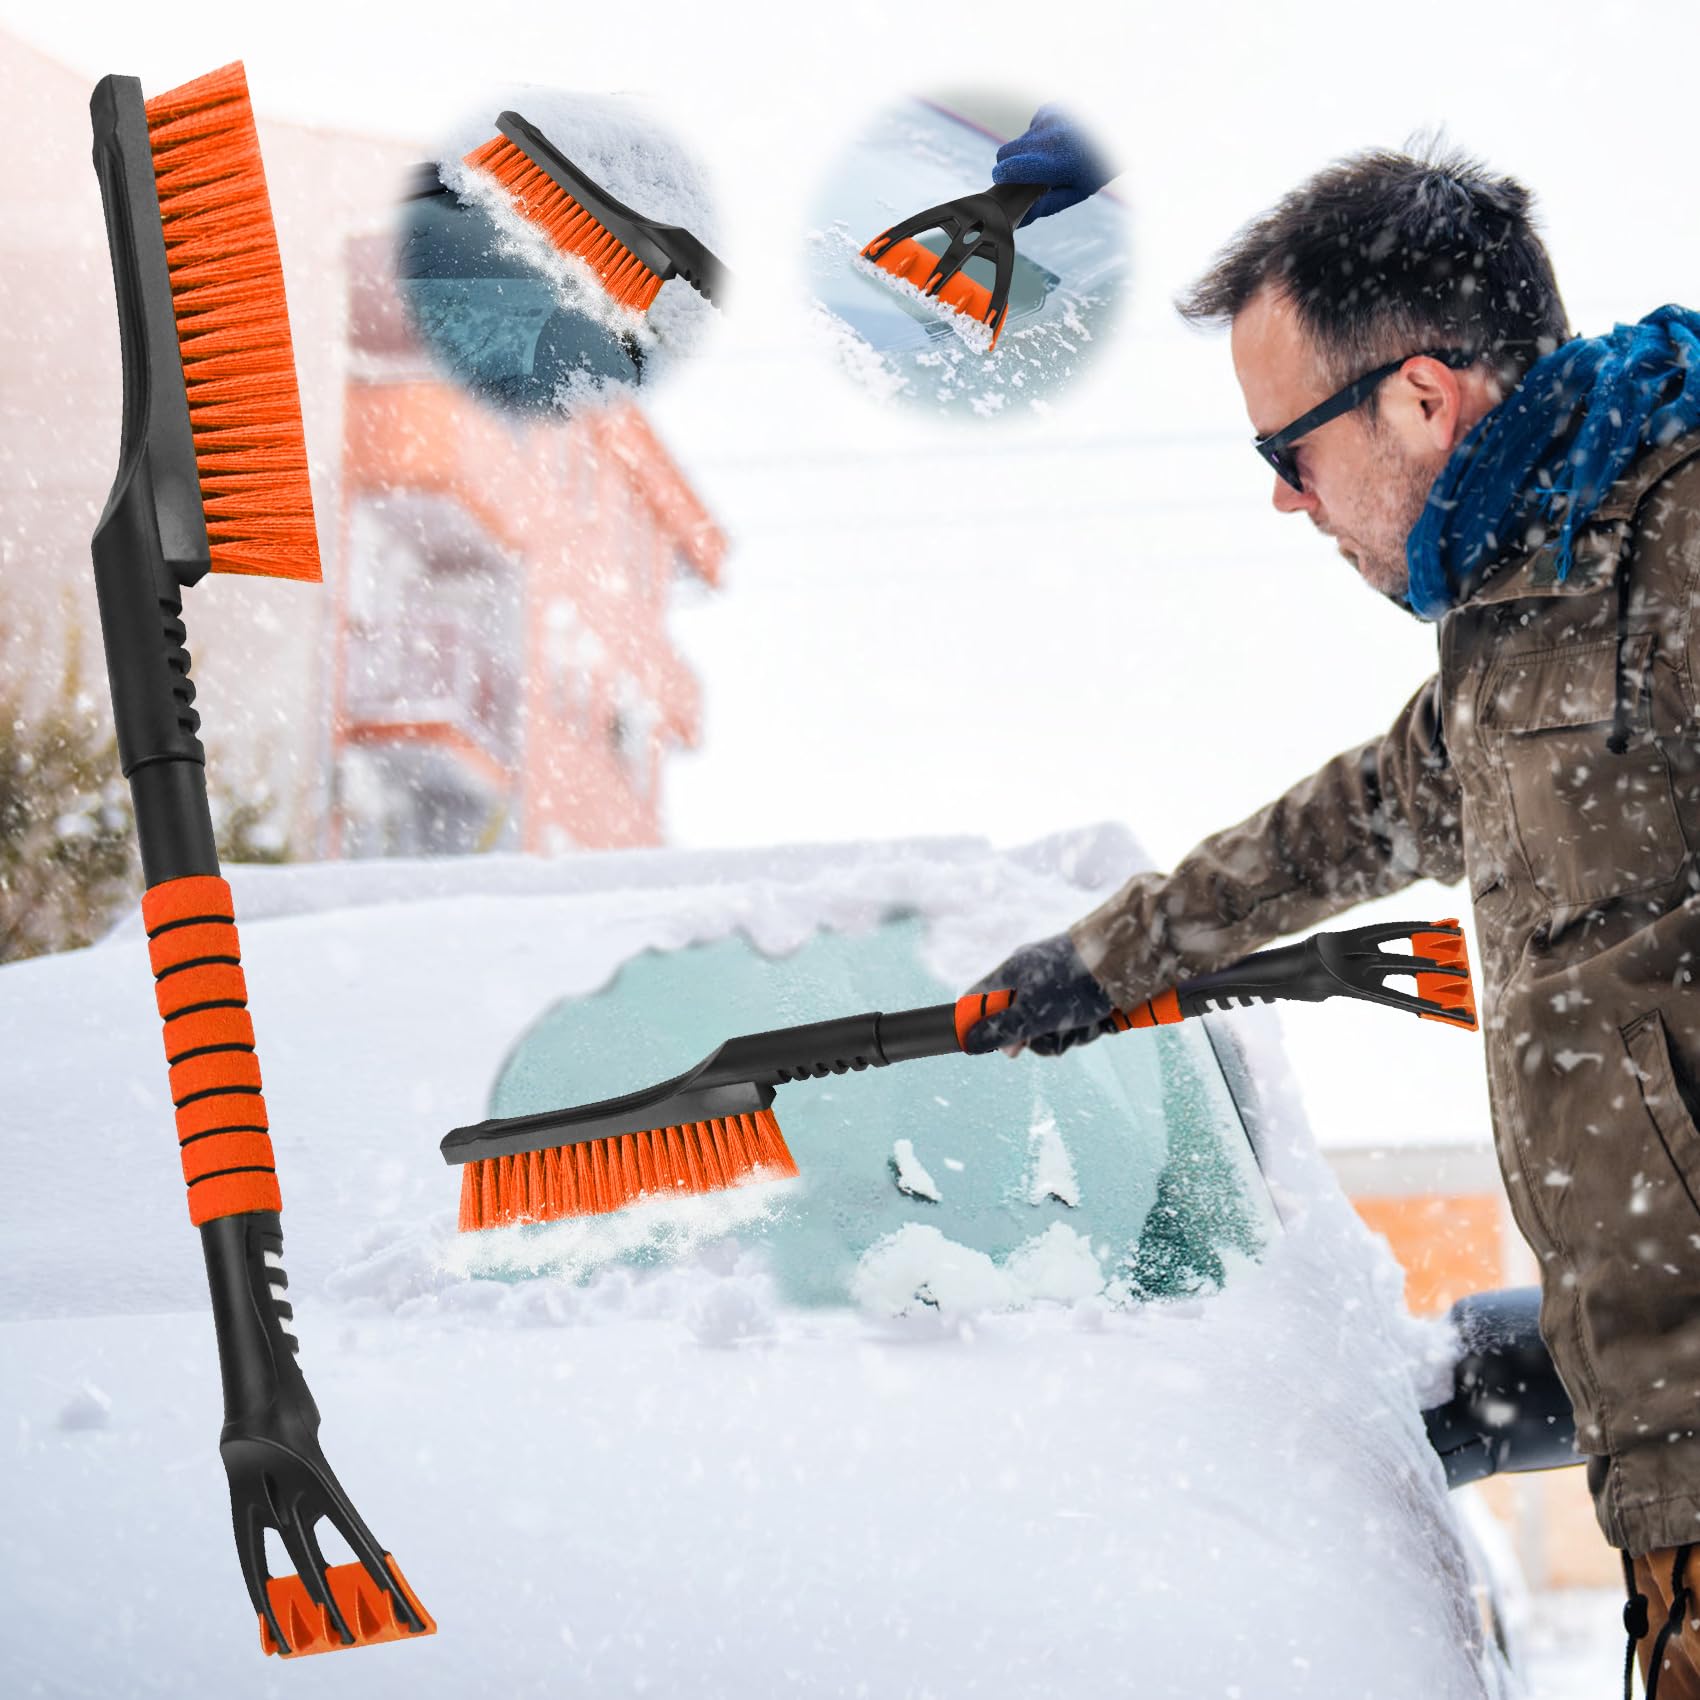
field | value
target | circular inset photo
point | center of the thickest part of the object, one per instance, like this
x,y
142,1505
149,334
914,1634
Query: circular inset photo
x,y
560,246
965,253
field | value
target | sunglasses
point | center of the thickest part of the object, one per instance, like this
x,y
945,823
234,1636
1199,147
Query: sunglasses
x,y
1277,447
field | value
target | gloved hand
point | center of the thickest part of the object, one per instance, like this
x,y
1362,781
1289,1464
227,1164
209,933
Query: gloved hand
x,y
1056,151
1058,1004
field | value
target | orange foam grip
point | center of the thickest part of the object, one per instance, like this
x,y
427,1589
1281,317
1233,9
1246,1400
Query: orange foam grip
x,y
1161,1011
976,1006
222,1126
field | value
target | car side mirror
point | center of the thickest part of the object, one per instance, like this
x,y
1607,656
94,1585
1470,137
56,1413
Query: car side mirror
x,y
1509,1410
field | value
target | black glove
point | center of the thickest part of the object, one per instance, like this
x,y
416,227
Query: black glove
x,y
1058,1004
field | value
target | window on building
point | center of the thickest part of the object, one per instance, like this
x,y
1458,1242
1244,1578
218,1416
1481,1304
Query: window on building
x,y
631,734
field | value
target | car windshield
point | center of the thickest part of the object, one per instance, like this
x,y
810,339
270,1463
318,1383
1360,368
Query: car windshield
x,y
487,316
1123,1169
1068,271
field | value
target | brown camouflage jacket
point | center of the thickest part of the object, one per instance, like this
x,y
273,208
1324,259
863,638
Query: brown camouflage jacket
x,y
1584,872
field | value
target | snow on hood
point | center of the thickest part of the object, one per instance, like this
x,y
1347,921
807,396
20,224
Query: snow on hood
x,y
703,1490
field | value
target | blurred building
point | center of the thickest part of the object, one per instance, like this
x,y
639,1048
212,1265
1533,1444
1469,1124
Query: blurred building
x,y
503,672
487,661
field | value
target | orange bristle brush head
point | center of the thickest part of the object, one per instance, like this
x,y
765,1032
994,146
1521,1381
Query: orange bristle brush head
x,y
570,227
975,227
630,255
233,329
596,1176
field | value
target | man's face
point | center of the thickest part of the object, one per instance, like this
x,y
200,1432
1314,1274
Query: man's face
x,y
1365,481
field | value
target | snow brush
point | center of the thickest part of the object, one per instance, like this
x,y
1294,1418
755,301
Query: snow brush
x,y
630,255
212,475
713,1126
976,226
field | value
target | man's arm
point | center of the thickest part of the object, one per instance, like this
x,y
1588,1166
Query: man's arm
x,y
1370,822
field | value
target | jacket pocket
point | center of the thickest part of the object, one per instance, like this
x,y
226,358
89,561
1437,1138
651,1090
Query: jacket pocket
x,y
1633,1249
1668,1102
1591,825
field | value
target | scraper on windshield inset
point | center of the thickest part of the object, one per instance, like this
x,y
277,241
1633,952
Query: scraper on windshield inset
x,y
713,1126
978,226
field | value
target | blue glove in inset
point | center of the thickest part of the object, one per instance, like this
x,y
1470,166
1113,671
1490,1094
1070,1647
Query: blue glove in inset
x,y
1058,1004
1056,151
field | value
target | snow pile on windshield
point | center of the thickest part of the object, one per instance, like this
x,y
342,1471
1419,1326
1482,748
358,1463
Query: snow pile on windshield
x,y
854,356
1053,1168
911,1174
918,1269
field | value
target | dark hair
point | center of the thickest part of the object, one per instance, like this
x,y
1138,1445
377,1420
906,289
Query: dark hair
x,y
1387,253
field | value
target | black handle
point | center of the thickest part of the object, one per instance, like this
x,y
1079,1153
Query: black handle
x,y
265,1394
738,1079
1294,972
841,1046
1017,200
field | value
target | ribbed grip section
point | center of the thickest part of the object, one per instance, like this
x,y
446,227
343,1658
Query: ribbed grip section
x,y
209,1047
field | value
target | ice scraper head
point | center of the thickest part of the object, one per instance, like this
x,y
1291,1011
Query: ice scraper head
x,y
978,226
1353,963
1445,981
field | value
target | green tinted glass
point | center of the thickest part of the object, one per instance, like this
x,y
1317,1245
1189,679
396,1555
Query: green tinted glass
x,y
1134,1144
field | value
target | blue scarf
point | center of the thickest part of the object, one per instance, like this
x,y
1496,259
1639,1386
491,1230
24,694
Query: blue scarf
x,y
1542,460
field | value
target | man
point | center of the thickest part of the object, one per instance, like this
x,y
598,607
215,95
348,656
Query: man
x,y
1405,361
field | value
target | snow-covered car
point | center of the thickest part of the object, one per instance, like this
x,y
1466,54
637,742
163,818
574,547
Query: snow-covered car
x,y
1070,272
1063,1378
